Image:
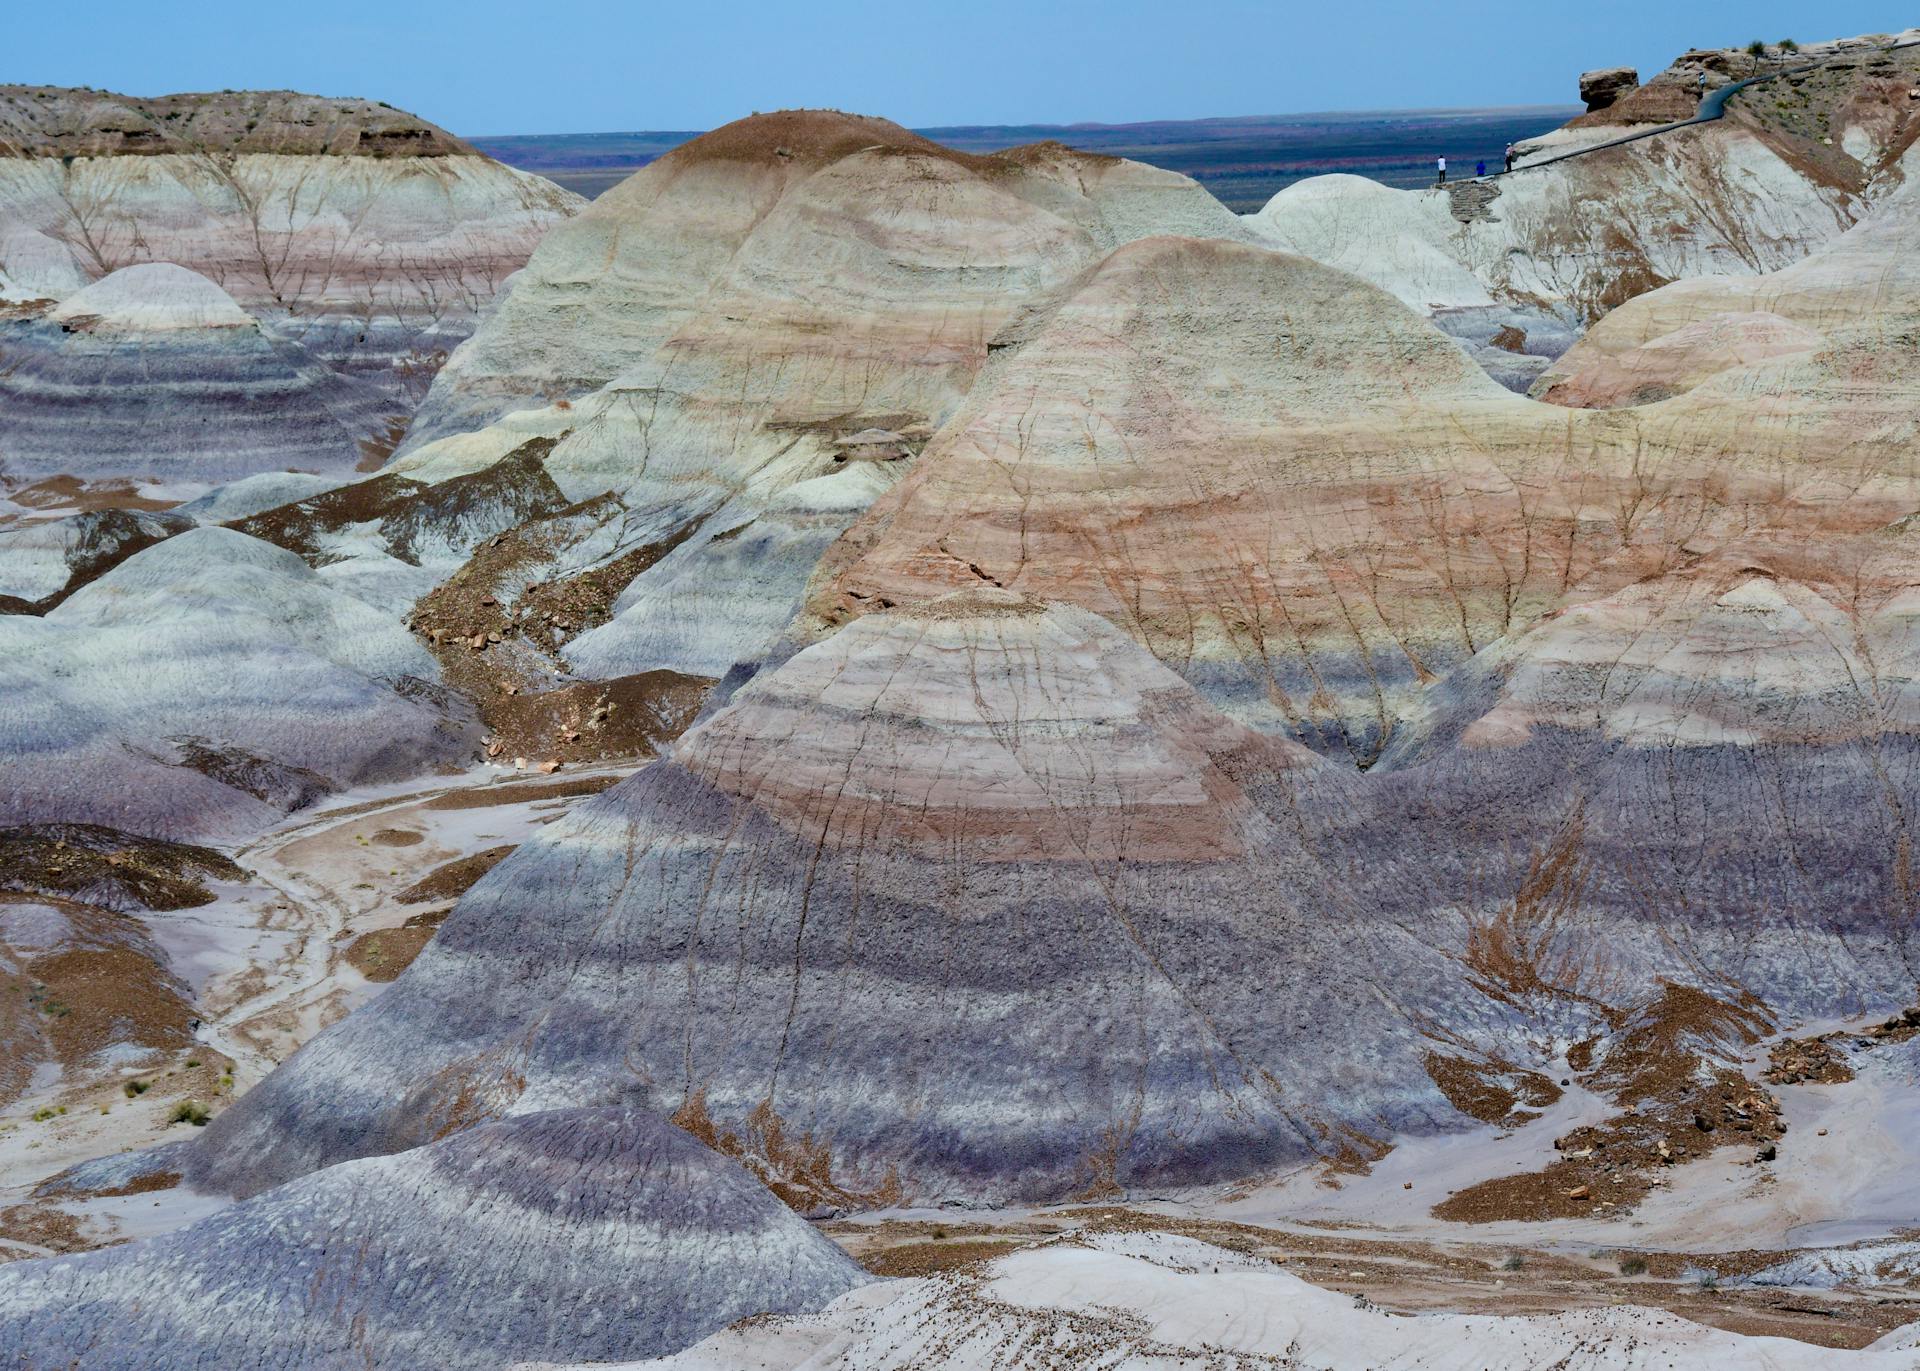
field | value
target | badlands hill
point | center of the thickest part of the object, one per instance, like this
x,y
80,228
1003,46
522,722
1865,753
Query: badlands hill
x,y
1136,723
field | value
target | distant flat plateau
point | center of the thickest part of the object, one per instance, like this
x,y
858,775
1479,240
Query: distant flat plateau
x,y
1242,160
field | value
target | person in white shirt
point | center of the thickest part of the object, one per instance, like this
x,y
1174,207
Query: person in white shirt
x,y
1443,171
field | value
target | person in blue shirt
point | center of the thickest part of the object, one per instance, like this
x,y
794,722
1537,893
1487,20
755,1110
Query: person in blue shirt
x,y
1480,167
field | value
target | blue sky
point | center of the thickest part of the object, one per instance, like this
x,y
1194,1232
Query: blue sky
x,y
489,67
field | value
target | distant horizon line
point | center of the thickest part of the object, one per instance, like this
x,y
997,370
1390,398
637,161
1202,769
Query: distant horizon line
x,y
1079,126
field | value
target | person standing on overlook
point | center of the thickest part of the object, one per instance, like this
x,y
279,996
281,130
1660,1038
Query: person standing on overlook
x,y
1509,157
1441,161
1480,167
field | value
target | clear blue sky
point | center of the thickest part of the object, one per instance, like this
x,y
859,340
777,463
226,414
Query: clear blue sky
x,y
494,66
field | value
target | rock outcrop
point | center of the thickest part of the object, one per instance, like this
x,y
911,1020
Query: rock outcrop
x,y
1599,89
155,372
577,1235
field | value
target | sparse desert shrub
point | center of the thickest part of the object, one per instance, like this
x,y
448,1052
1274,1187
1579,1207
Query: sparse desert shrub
x,y
135,1089
1633,1264
190,1111
1756,48
1514,1263
1787,45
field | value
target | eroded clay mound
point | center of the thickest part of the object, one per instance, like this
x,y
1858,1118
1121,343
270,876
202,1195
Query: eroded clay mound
x,y
974,900
578,1235
709,342
1851,300
828,264
155,372
205,685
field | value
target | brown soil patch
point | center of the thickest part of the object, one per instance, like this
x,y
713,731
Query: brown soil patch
x,y
382,955
279,784
103,866
43,1226
523,792
82,497
594,721
811,138
499,640
1494,1091
456,878
1510,339
927,1258
147,1184
799,1170
398,837
93,997
1667,1067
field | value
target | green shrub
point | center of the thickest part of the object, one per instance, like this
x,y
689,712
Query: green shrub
x,y
190,1111
1514,1263
135,1089
1756,48
1633,1264
1787,45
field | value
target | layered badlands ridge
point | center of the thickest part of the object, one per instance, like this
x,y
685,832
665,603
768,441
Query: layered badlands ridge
x,y
1063,554
363,232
